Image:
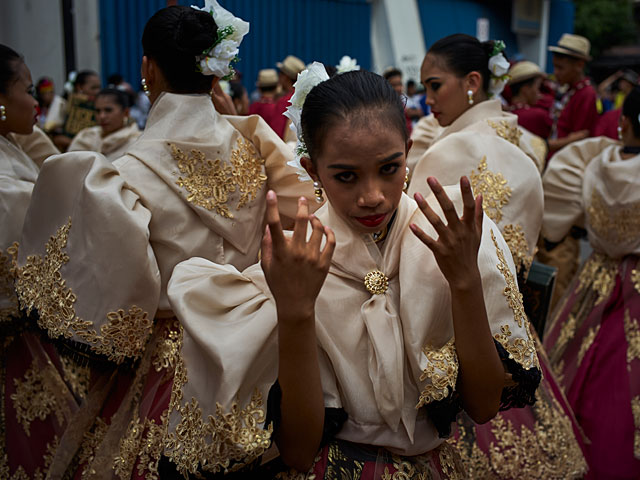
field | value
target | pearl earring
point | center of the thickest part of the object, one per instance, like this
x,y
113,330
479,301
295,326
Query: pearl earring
x,y
145,87
470,97
3,113
619,132
318,191
406,179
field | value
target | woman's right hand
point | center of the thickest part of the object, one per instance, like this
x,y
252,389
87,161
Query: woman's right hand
x,y
295,269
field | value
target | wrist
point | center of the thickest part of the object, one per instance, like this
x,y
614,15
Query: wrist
x,y
467,283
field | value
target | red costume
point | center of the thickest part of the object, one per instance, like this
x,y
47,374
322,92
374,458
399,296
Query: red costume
x,y
266,108
536,120
280,123
607,125
577,110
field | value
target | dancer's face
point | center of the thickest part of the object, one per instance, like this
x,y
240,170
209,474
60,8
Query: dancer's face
x,y
446,93
19,102
110,115
362,170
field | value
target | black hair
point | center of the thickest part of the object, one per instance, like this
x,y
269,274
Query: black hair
x,y
570,57
463,54
631,109
237,90
269,89
115,79
9,62
83,76
516,87
119,97
391,72
174,37
331,70
411,83
349,96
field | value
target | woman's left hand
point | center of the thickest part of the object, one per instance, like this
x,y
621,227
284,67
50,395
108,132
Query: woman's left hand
x,y
456,248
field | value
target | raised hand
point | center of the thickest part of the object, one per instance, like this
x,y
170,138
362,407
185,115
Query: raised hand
x,y
295,268
456,248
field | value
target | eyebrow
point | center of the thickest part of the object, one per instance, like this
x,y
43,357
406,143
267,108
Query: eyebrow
x,y
430,79
338,166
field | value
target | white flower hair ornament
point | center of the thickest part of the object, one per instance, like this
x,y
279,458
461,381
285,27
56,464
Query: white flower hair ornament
x,y
218,59
347,64
307,79
499,67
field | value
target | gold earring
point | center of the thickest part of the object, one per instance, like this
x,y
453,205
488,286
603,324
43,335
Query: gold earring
x,y
145,87
318,191
406,179
3,113
470,97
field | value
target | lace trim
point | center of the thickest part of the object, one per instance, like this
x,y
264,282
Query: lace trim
x,y
441,371
503,130
517,243
494,189
40,287
618,225
7,290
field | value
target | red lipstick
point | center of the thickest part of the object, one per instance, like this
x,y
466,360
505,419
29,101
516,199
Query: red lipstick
x,y
372,221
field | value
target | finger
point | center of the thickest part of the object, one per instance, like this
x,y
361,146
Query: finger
x,y
479,214
266,252
329,247
433,217
273,221
301,222
424,238
316,233
469,212
445,203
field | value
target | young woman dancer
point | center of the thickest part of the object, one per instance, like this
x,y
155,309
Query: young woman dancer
x,y
374,330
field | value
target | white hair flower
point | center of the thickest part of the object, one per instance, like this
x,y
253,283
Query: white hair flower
x,y
499,68
218,59
347,64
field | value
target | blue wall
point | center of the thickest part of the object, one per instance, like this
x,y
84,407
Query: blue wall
x,y
322,30
561,16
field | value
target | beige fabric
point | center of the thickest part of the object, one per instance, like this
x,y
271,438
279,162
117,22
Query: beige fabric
x,y
424,132
56,114
483,144
192,219
534,146
17,176
113,146
81,219
372,359
563,186
37,145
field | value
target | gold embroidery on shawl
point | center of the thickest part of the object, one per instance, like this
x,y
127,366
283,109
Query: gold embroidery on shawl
x,y
517,242
567,332
209,183
635,277
441,371
598,273
494,190
90,442
632,332
521,350
166,352
635,409
339,466
547,450
503,130
376,282
7,290
34,397
587,341
621,224
143,440
451,462
77,376
40,286
237,439
558,369
38,474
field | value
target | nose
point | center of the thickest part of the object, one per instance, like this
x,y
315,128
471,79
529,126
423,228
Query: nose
x,y
371,196
428,100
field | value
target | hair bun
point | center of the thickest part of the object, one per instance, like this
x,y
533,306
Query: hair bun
x,y
196,31
488,47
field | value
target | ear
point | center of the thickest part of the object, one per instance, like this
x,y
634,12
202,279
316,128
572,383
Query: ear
x,y
308,165
473,81
144,68
214,82
409,145
625,124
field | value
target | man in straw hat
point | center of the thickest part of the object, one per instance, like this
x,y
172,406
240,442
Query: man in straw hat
x,y
525,80
577,110
266,106
289,69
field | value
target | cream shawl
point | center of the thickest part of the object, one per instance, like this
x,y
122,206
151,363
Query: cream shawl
x,y
112,146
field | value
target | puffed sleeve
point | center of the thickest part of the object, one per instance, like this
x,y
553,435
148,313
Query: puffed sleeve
x,y
37,145
281,178
227,365
86,139
84,263
562,184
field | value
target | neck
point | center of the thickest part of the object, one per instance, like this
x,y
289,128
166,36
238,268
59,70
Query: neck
x,y
518,99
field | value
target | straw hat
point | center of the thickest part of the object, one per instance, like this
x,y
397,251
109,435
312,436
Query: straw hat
x,y
291,66
522,71
267,78
573,46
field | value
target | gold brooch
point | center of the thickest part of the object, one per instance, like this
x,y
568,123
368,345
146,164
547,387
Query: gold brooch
x,y
376,282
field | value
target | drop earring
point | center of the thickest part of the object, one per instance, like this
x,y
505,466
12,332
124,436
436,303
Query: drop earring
x,y
406,179
318,191
470,97
145,87
3,113
619,132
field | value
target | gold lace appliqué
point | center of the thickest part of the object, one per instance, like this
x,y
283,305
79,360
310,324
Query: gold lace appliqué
x,y
494,189
7,291
77,376
225,442
210,183
503,130
635,409
441,371
632,332
587,341
517,243
621,224
40,287
599,274
521,350
635,277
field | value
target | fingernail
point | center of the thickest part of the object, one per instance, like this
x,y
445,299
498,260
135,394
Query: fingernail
x,y
413,227
419,198
432,182
271,195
